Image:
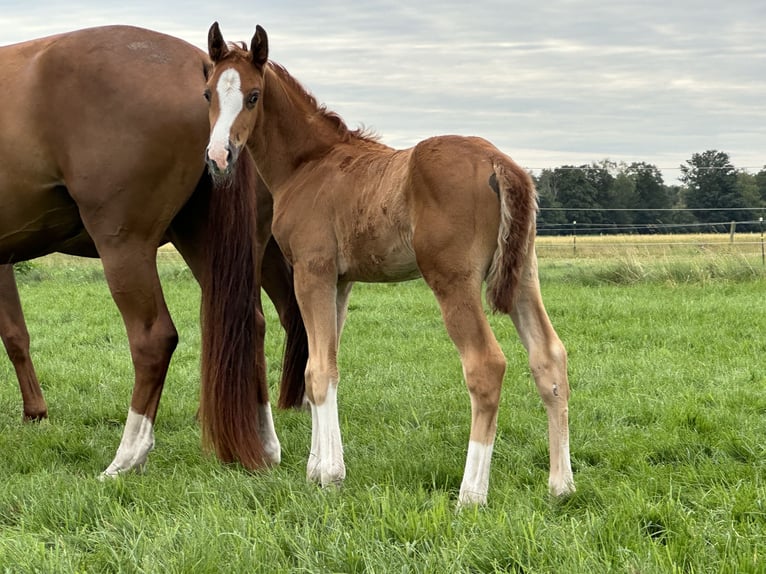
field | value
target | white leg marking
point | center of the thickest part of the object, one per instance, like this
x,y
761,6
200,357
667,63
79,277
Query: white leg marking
x,y
475,484
268,434
230,104
312,469
326,458
137,441
561,479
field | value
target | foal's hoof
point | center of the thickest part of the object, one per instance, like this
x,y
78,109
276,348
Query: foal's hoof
x,y
109,475
327,479
113,470
562,490
333,483
471,499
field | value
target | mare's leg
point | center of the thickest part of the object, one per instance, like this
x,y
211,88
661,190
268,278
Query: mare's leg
x,y
131,272
318,297
459,296
276,280
13,331
266,430
341,300
548,363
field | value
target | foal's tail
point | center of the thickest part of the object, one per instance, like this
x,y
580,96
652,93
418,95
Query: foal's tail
x,y
518,209
233,369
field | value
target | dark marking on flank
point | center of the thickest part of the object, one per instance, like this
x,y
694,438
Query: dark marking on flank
x,y
493,184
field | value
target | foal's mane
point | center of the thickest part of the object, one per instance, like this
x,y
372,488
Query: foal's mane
x,y
320,110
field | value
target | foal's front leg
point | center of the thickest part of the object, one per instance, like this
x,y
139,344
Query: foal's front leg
x,y
318,300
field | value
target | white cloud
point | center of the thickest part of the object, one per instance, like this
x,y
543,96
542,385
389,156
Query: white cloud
x,y
550,82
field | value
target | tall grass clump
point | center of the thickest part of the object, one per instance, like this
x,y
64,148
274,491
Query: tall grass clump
x,y
632,269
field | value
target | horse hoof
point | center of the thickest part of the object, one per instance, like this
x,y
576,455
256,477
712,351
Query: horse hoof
x,y
471,499
35,417
562,490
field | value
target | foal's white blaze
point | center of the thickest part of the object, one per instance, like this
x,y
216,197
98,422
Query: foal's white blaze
x,y
475,485
230,104
326,457
137,441
268,435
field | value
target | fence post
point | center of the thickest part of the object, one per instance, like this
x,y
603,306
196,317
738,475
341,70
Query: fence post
x,y
574,237
731,231
763,253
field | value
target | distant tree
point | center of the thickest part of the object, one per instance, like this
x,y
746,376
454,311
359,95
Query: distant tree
x,y
577,193
651,193
681,217
551,217
600,176
747,186
760,183
623,196
759,192
711,184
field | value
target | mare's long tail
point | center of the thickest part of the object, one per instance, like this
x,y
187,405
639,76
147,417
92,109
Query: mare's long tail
x,y
232,363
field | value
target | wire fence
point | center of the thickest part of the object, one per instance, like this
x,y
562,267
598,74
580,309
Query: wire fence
x,y
740,238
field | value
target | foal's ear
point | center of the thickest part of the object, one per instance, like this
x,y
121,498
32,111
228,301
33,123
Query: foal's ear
x,y
216,47
259,46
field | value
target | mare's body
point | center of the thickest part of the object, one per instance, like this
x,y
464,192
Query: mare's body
x,y
102,155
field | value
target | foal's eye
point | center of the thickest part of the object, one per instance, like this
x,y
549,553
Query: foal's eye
x,y
206,94
253,98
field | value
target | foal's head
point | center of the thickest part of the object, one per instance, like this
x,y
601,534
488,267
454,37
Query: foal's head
x,y
233,92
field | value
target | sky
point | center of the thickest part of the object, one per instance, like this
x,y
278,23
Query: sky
x,y
551,83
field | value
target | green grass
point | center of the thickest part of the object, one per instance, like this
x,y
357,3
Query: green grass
x,y
668,416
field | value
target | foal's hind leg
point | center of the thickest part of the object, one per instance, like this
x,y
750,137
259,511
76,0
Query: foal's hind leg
x,y
483,368
131,272
13,331
548,363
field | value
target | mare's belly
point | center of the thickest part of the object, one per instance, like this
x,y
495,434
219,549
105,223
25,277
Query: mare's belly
x,y
35,224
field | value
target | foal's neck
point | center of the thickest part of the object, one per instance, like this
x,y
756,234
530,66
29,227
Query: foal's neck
x,y
289,131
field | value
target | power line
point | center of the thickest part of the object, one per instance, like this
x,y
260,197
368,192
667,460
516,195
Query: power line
x,y
649,209
655,227
677,168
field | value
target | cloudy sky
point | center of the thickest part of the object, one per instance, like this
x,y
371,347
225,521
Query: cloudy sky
x,y
551,83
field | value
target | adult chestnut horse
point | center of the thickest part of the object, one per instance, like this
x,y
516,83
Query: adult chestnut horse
x,y
347,208
102,153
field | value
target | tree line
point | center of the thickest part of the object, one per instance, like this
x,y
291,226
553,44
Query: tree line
x,y
607,197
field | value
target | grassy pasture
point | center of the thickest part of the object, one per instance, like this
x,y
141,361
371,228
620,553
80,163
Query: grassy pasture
x,y
668,414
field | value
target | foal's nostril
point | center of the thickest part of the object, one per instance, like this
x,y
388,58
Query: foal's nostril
x,y
229,155
212,165
210,162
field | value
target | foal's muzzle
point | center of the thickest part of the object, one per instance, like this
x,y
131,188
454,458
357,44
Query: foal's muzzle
x,y
220,161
